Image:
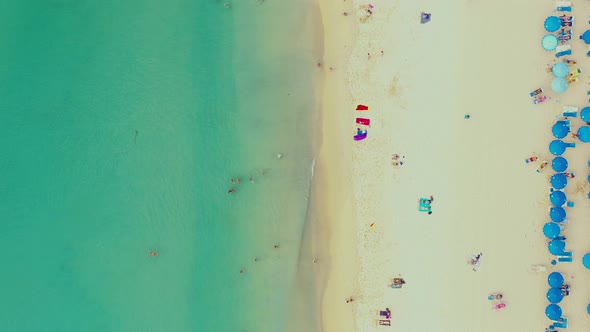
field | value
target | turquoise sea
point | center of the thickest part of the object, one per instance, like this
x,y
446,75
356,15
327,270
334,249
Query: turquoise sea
x,y
121,125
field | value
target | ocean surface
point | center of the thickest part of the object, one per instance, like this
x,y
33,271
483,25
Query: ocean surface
x,y
121,125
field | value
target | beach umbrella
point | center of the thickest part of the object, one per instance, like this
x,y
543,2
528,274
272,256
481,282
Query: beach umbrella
x,y
554,295
586,261
551,230
586,37
584,134
559,85
559,164
553,311
560,69
559,181
588,308
557,214
557,198
549,42
555,279
556,247
585,114
552,23
557,147
560,129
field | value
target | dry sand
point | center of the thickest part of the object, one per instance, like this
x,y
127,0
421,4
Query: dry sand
x,y
474,57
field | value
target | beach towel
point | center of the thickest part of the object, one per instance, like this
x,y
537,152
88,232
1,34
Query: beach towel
x,y
363,121
361,107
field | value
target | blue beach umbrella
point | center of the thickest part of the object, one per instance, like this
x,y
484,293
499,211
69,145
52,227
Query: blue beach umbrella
x,y
552,23
585,114
556,247
554,295
586,37
555,279
586,261
588,309
584,134
553,311
559,181
557,147
557,198
557,214
551,230
560,69
559,85
559,164
549,42
560,129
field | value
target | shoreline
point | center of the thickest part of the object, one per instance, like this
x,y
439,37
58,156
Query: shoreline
x,y
331,189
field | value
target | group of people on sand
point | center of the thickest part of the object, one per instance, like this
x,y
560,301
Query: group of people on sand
x,y
397,160
475,261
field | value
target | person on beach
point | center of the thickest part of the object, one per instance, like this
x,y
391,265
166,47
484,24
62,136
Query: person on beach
x,y
570,175
350,299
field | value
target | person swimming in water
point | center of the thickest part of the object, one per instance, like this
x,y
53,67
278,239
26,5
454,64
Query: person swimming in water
x,y
153,253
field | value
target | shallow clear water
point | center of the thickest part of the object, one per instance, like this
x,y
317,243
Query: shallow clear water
x,y
121,124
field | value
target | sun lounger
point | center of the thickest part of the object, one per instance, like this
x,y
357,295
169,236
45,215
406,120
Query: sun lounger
x,y
570,114
563,9
385,313
566,254
560,325
570,204
565,259
562,48
384,322
570,144
537,268
563,3
565,122
564,53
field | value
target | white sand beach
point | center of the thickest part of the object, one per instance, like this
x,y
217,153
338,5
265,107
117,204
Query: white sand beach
x,y
477,58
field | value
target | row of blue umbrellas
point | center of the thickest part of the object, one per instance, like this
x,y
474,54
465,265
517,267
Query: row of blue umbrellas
x,y
560,130
554,295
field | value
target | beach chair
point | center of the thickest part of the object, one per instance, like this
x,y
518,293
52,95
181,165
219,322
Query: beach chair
x,y
565,259
561,325
570,144
563,3
384,322
566,254
562,48
564,53
563,9
570,204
